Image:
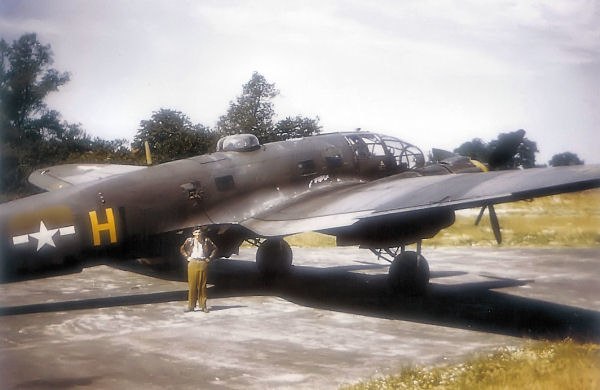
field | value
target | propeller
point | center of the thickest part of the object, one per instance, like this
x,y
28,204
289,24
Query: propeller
x,y
493,221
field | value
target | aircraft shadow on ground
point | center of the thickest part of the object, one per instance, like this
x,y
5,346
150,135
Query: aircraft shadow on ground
x,y
96,303
473,306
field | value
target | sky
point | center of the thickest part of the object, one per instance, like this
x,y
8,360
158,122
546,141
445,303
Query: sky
x,y
432,73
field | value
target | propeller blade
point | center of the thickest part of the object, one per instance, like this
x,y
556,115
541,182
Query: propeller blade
x,y
480,215
495,224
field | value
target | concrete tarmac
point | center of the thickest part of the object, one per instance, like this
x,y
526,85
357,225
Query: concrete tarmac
x,y
331,322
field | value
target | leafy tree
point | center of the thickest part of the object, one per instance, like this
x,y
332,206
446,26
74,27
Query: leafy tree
x,y
30,133
105,151
512,150
565,159
172,135
112,147
26,78
252,112
475,149
507,151
64,141
296,127
525,157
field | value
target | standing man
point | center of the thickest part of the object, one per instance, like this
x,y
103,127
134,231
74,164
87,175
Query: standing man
x,y
199,251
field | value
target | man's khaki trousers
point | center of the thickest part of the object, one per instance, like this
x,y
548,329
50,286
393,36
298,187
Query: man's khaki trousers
x,y
197,282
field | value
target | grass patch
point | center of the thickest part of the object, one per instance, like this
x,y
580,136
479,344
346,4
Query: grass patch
x,y
541,365
566,220
311,240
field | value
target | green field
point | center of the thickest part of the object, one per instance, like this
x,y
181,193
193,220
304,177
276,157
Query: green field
x,y
539,365
568,220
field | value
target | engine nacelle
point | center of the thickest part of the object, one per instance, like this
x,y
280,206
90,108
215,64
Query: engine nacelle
x,y
392,231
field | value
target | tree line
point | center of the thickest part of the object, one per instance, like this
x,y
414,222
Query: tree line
x,y
32,135
526,149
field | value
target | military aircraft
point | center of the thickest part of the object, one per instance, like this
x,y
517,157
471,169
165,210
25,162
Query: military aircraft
x,y
365,189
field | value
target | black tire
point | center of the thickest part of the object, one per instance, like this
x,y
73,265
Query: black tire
x,y
409,274
274,259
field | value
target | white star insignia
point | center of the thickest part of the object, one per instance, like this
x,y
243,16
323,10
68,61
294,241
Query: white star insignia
x,y
44,236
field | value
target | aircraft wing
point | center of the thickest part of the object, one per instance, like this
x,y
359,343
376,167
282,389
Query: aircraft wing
x,y
398,195
61,176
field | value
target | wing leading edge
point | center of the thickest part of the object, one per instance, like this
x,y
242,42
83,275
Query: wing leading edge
x,y
397,196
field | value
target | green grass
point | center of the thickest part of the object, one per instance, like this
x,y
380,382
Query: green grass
x,y
311,240
540,365
567,220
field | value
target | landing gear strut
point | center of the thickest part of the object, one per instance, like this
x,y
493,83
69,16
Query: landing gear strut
x,y
273,258
409,271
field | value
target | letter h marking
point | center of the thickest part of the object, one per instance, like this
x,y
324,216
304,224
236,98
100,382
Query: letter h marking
x,y
98,227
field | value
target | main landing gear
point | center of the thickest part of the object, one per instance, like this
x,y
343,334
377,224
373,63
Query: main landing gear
x,y
409,271
273,258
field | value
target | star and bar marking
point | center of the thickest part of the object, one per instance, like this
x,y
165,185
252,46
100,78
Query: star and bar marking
x,y
44,236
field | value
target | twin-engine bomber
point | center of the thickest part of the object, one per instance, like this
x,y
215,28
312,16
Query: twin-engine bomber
x,y
363,188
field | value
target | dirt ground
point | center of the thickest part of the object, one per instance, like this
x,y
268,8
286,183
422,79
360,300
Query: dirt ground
x,y
332,321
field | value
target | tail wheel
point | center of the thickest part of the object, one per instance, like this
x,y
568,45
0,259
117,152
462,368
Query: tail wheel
x,y
274,258
409,274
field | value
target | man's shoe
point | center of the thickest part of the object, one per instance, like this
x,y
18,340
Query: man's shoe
x,y
205,310
188,310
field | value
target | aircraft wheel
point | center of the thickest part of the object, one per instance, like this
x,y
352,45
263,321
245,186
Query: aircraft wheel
x,y
409,274
274,258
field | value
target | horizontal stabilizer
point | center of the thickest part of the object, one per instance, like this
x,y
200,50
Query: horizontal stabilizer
x,y
66,175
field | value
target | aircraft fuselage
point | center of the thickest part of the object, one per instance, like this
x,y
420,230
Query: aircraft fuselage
x,y
126,214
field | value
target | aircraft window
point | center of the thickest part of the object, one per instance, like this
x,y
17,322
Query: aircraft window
x,y
334,161
333,157
238,143
377,149
224,183
307,167
367,145
407,156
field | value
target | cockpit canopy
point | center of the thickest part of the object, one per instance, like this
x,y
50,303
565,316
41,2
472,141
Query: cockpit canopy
x,y
405,156
238,143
